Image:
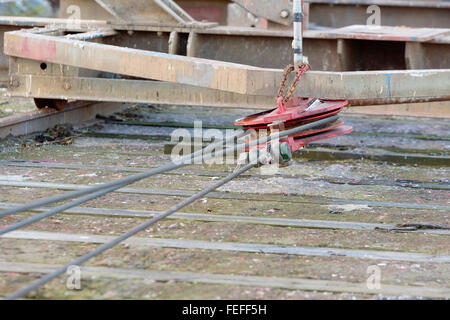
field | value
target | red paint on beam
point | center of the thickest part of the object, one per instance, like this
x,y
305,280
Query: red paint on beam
x,y
42,50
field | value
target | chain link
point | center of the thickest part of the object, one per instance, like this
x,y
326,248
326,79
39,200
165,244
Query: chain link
x,y
303,68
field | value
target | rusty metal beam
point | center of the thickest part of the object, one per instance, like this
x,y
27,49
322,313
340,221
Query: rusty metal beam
x,y
374,86
133,91
40,120
145,64
90,35
156,92
333,14
330,13
277,11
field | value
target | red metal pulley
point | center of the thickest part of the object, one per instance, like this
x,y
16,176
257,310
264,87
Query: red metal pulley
x,y
297,110
293,112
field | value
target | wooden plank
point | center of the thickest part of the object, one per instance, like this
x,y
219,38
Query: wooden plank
x,y
238,196
370,182
231,246
283,222
237,280
375,86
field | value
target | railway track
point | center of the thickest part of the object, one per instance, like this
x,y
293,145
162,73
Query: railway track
x,y
310,231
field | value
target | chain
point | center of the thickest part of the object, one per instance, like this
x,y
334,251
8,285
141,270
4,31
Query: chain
x,y
303,68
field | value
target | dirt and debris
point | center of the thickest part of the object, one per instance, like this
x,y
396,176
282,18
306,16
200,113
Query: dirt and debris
x,y
139,111
404,227
59,134
307,190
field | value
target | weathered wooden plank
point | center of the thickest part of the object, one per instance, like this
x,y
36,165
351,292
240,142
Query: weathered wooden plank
x,y
283,222
375,86
230,279
50,165
229,246
230,195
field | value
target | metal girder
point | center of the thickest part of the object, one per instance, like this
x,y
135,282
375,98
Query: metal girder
x,y
136,11
375,86
361,88
334,14
90,35
144,64
133,91
278,11
155,92
325,13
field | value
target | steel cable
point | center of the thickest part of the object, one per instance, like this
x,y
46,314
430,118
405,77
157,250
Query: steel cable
x,y
110,244
116,186
120,182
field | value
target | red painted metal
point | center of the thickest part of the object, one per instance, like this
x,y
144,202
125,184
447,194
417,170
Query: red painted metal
x,y
293,113
42,51
326,127
299,111
297,143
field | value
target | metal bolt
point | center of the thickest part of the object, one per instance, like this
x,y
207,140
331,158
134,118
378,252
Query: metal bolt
x,y
284,14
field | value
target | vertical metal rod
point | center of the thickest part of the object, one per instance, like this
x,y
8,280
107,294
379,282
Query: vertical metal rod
x,y
297,44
